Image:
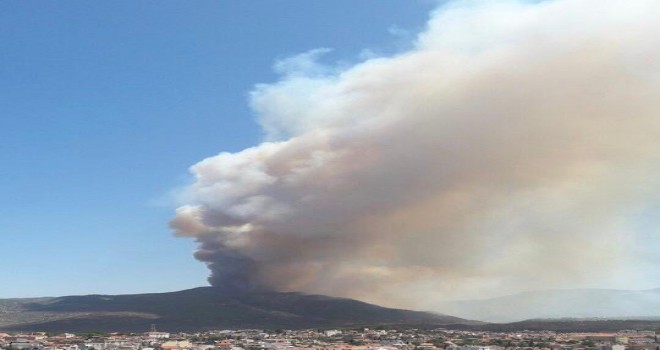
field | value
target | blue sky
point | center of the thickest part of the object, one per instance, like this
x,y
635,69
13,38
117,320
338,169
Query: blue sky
x,y
105,105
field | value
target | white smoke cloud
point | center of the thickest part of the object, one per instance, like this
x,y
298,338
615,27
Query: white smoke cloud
x,y
515,147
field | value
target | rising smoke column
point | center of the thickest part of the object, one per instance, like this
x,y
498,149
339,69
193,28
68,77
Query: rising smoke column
x,y
514,147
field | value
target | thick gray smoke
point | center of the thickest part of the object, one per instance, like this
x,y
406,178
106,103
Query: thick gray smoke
x,y
515,147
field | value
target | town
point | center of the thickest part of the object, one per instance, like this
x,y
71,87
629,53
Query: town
x,y
378,338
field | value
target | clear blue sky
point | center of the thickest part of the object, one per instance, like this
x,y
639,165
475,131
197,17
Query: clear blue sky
x,y
105,104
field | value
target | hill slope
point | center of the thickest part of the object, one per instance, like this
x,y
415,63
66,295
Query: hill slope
x,y
199,309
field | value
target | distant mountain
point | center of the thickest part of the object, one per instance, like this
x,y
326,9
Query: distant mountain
x,y
554,304
564,325
201,309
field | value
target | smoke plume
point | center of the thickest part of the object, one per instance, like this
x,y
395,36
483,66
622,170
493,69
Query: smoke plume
x,y
516,146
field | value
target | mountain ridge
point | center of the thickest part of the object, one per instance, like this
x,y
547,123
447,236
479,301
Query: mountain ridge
x,y
202,308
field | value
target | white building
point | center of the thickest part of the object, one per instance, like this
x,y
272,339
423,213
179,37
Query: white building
x,y
158,335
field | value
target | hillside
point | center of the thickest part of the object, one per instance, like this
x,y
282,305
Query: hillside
x,y
200,309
